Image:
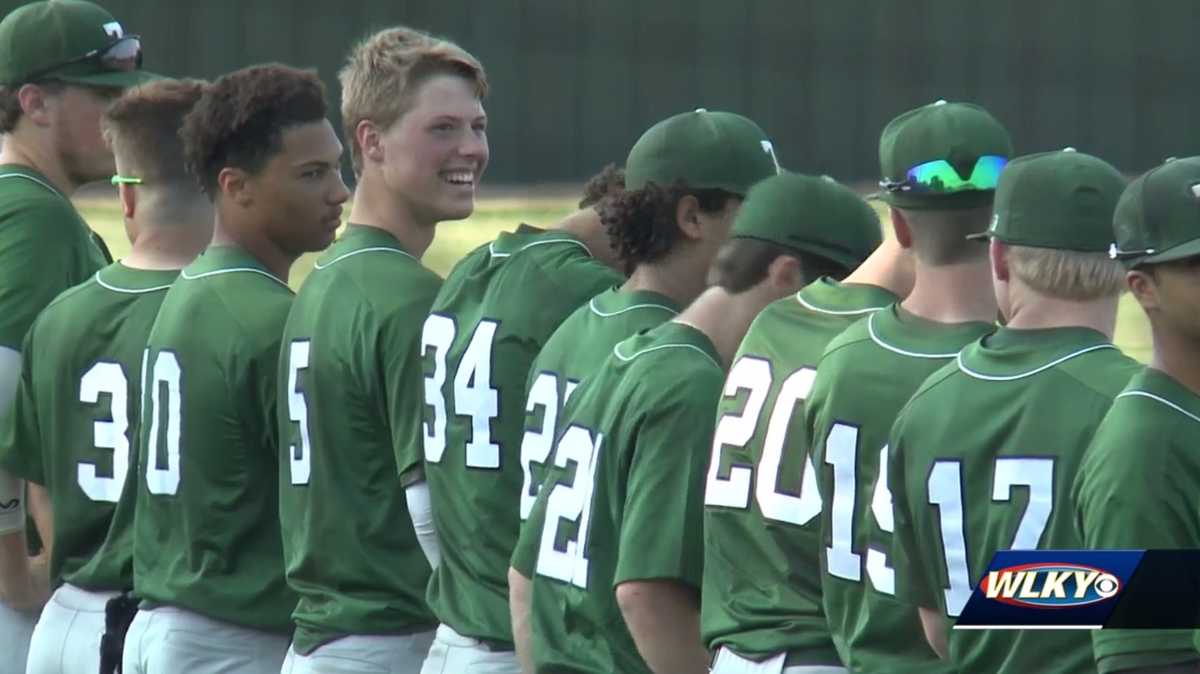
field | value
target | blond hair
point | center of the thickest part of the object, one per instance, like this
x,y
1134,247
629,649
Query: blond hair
x,y
384,72
1067,274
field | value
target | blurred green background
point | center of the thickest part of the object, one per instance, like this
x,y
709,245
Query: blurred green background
x,y
495,214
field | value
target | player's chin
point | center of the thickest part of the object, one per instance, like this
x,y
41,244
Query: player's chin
x,y
458,207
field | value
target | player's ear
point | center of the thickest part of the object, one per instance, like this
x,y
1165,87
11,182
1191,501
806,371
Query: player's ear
x,y
235,185
128,196
687,217
369,139
35,103
998,251
1143,286
900,226
786,274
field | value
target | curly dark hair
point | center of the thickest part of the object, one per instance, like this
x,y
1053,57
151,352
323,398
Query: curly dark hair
x,y
241,118
609,179
641,223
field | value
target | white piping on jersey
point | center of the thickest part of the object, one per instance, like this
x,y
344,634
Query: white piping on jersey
x,y
217,272
131,291
356,252
833,312
492,246
990,377
601,314
1164,401
617,352
39,181
895,349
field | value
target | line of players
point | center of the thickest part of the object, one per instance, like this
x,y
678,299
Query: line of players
x,y
320,480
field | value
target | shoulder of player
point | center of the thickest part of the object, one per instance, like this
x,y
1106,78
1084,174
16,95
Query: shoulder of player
x,y
40,216
572,272
387,281
1102,373
854,337
256,304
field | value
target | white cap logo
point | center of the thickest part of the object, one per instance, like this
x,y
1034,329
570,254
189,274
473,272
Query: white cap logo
x,y
770,149
113,29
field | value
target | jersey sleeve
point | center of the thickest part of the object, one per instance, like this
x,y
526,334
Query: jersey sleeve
x,y
37,262
399,349
662,525
1137,500
524,557
20,437
911,566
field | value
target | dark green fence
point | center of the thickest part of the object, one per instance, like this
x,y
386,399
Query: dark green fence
x,y
575,81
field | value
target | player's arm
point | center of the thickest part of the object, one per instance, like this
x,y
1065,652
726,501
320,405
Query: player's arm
x,y
16,586
935,631
520,592
420,510
664,618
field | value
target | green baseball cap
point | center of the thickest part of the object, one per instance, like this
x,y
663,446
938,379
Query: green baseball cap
x,y
69,41
1158,216
961,139
703,150
811,214
1062,200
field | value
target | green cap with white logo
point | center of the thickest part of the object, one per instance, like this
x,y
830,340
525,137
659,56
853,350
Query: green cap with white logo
x,y
702,149
810,214
942,156
69,41
1158,216
1062,200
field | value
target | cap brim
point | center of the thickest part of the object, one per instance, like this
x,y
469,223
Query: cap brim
x,y
119,79
1182,251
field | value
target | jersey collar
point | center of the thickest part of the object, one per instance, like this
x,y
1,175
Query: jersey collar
x,y
1163,389
121,279
907,334
828,296
1011,354
614,302
668,336
218,260
358,239
527,236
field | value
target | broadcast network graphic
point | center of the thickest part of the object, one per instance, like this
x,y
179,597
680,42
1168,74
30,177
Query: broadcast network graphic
x,y
1087,589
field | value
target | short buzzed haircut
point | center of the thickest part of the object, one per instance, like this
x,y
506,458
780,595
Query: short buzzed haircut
x,y
142,128
1067,274
240,120
384,72
939,238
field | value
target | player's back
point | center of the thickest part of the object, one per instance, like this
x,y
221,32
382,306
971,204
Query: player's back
x,y
78,409
983,459
606,514
350,350
865,377
207,533
495,310
761,593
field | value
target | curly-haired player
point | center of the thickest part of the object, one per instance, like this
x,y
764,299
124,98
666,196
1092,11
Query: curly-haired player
x,y
208,559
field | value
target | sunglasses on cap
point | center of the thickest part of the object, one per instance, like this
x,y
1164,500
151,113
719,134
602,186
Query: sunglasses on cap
x,y
122,55
939,177
125,180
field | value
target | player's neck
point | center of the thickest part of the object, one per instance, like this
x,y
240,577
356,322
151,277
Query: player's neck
x,y
375,206
1049,312
665,279
890,267
724,318
168,230
21,151
274,259
1176,355
958,293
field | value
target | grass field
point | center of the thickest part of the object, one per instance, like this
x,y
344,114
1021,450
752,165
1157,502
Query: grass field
x,y
496,214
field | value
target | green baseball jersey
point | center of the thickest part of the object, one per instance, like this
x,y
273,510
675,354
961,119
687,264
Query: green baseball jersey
x,y
623,497
576,349
864,378
496,309
206,531
45,248
1137,489
350,368
76,412
982,459
762,595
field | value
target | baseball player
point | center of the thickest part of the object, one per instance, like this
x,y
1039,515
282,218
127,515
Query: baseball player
x,y
208,558
64,61
687,175
620,554
761,606
941,163
78,402
1136,487
983,456
352,525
